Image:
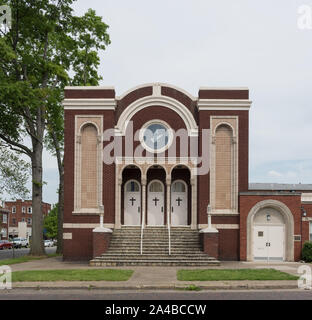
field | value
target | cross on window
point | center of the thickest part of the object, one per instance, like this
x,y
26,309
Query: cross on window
x,y
179,200
133,201
156,201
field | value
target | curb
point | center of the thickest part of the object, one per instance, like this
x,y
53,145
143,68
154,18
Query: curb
x,y
158,288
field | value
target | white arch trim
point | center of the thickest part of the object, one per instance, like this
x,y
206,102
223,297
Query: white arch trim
x,y
289,227
162,101
156,86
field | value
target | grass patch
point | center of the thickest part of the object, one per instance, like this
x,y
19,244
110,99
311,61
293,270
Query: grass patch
x,y
192,287
238,274
24,259
72,275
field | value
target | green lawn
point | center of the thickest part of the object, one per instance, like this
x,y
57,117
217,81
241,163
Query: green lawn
x,y
24,259
238,274
72,275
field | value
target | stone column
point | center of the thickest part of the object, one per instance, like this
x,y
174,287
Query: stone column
x,y
168,183
144,183
194,224
118,205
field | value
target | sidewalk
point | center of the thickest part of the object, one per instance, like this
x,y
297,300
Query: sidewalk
x,y
156,278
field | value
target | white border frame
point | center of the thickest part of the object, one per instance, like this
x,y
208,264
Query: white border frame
x,y
170,132
140,193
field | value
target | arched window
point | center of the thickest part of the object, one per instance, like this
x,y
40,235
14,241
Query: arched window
x,y
89,166
178,187
223,196
156,186
133,186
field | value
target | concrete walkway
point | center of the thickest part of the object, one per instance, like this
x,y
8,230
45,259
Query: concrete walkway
x,y
157,278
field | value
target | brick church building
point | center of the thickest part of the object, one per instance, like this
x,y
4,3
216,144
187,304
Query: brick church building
x,y
160,177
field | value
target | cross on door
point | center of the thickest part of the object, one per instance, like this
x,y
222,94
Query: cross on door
x,y
156,201
179,200
133,201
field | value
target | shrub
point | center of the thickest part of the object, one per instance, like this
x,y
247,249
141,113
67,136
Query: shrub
x,y
307,252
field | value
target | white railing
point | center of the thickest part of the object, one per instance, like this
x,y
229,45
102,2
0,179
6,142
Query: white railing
x,y
169,231
142,231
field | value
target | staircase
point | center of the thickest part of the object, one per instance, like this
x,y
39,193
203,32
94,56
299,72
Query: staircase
x,y
125,248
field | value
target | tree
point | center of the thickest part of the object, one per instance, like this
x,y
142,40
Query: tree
x,y
91,36
50,223
36,56
14,174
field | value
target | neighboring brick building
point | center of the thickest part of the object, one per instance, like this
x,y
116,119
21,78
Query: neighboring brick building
x,y
163,186
4,231
21,212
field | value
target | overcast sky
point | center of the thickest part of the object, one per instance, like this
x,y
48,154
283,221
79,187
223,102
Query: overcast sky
x,y
197,43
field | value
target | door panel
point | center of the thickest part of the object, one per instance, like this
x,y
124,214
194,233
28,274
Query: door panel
x,y
261,243
156,209
156,204
179,209
132,204
268,243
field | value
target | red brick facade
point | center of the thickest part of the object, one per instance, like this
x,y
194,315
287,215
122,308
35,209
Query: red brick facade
x,y
4,226
21,211
232,236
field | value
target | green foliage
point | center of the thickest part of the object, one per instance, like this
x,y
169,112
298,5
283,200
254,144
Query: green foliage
x,y
14,174
50,223
47,48
307,252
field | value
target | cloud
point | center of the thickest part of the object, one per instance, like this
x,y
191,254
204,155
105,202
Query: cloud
x,y
274,174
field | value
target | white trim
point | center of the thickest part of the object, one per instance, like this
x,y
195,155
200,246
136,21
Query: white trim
x,y
89,104
221,226
224,120
306,197
223,104
224,88
289,227
170,133
155,85
161,101
86,226
89,88
77,163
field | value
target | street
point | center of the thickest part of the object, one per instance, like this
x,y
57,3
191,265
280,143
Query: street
x,y
72,294
8,254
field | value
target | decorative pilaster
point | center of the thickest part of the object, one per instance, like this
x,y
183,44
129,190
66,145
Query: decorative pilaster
x,y
168,182
194,224
118,204
144,183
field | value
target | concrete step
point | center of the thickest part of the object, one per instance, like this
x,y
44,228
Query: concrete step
x,y
168,263
125,248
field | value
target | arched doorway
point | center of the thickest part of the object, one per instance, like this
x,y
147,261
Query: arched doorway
x,y
132,199
132,203
269,235
179,203
270,232
181,191
156,203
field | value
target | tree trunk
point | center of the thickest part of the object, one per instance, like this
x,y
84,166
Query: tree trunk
x,y
37,247
60,212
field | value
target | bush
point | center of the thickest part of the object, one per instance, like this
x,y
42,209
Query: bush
x,y
307,252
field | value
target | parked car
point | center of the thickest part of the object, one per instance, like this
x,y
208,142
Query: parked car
x,y
5,244
48,243
20,243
